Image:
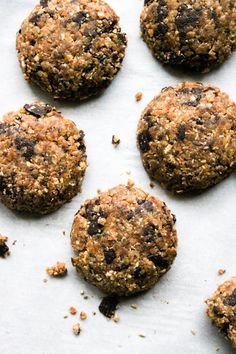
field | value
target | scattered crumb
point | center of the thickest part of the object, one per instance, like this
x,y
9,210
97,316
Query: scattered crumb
x,y
45,280
86,297
142,335
138,96
217,349
98,191
221,271
130,183
83,315
152,185
128,173
115,140
64,233
76,329
82,292
193,332
59,270
72,310
134,306
14,242
116,318
94,313
66,316
4,249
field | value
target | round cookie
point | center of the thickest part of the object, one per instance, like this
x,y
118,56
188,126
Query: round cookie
x,y
71,48
187,137
42,159
125,239
222,309
198,34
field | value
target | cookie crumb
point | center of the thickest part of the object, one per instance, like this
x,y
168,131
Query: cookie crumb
x,y
130,183
193,332
14,242
83,315
72,310
94,313
221,271
66,316
86,297
134,306
142,335
45,280
76,329
4,249
82,292
59,270
152,185
116,318
64,233
115,140
138,96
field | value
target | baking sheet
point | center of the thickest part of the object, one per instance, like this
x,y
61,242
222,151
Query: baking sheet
x,y
31,311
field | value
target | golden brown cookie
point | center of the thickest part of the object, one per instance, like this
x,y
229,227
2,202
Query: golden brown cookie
x,y
125,240
198,34
42,159
222,309
187,137
71,48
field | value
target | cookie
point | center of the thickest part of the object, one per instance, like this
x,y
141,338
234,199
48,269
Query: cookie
x,y
71,49
125,240
221,308
42,159
187,137
198,34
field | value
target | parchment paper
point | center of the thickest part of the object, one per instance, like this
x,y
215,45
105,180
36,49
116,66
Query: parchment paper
x,y
31,311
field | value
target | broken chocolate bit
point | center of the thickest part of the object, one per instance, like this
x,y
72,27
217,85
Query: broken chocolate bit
x,y
159,261
148,205
4,249
37,111
108,306
44,3
180,134
143,140
26,146
95,228
149,232
80,18
231,300
109,255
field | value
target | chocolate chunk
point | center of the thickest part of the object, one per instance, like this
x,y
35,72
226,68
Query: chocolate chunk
x,y
147,2
180,134
159,261
3,249
148,205
80,140
162,13
44,3
3,128
143,140
187,16
26,146
170,166
95,228
140,201
108,306
122,38
81,17
130,215
231,300
37,111
122,267
149,232
109,255
35,19
139,273
161,30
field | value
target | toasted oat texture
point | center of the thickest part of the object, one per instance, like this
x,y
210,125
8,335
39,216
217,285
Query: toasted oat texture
x,y
187,137
71,48
198,34
125,239
42,159
222,309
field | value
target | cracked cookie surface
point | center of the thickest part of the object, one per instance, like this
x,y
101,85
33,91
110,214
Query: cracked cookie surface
x,y
222,309
198,34
42,159
71,48
125,240
187,137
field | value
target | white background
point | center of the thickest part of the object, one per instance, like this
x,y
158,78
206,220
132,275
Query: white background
x,y
31,312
